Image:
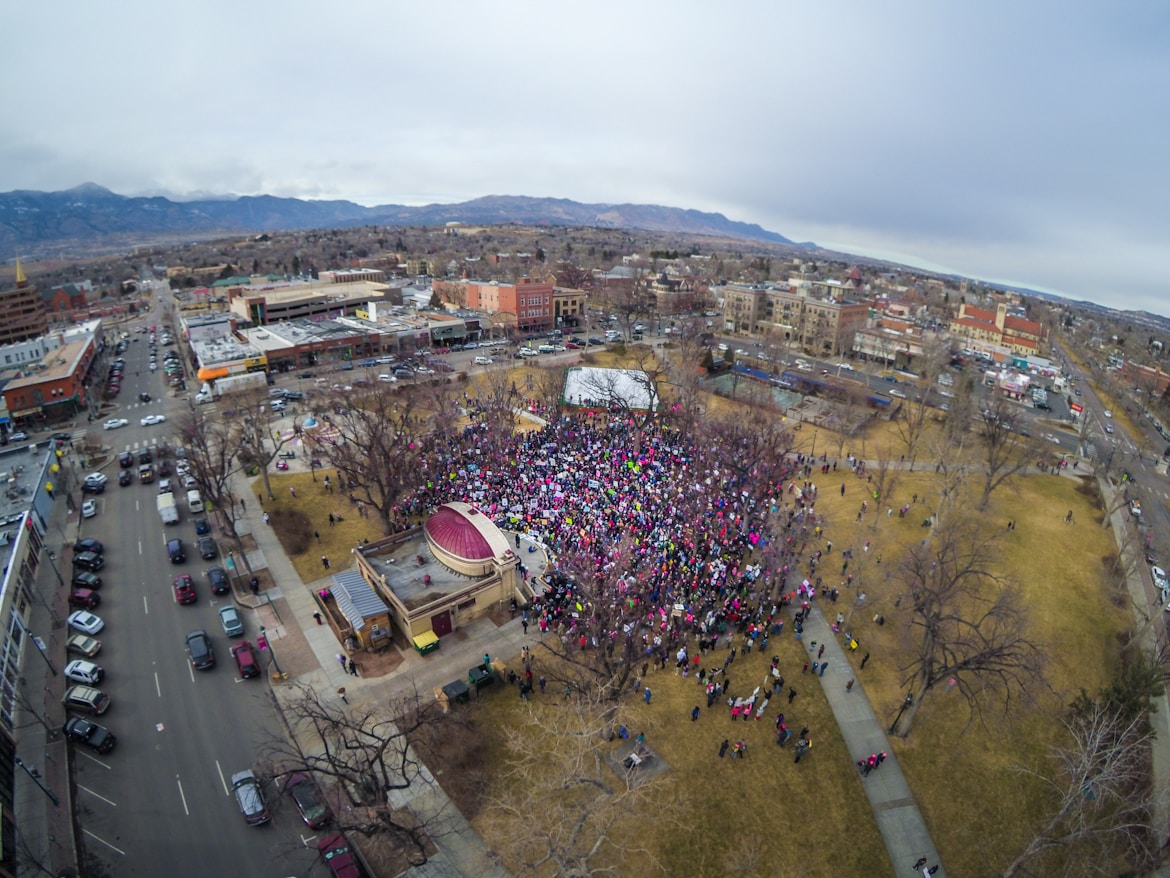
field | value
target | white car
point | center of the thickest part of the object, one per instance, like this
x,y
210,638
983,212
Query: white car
x,y
114,423
1107,413
150,420
88,509
423,370
85,622
484,361
1159,575
845,366
388,379
86,673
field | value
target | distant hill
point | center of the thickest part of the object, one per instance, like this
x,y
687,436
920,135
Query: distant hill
x,y
89,214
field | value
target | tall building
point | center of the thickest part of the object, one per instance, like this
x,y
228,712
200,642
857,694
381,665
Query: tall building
x,y
24,316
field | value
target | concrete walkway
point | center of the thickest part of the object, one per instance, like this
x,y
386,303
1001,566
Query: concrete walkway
x,y
898,819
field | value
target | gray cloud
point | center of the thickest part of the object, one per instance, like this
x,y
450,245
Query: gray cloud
x,y
1011,141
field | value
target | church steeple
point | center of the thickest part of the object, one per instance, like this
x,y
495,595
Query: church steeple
x,y
21,279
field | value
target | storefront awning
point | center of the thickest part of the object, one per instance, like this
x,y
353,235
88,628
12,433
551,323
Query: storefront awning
x,y
24,413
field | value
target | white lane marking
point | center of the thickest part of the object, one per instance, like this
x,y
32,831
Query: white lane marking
x,y
145,606
97,795
157,685
98,761
186,810
191,671
140,547
226,791
106,843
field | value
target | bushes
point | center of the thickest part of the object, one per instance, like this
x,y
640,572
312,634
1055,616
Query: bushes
x,y
294,529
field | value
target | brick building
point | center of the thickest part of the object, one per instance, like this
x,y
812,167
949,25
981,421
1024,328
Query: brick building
x,y
24,315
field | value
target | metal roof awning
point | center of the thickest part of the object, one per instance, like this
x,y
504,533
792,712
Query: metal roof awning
x,y
356,599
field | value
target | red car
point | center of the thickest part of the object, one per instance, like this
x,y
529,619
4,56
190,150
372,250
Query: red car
x,y
334,850
307,798
84,599
245,658
184,590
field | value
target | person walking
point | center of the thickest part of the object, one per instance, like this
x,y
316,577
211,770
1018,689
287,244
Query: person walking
x,y
293,491
343,661
353,668
325,561
524,625
647,695
243,505
267,520
318,619
317,534
824,665
723,748
694,713
864,659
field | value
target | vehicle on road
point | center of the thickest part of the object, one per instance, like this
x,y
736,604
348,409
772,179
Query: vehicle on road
x,y
89,733
208,550
91,561
84,598
201,526
94,483
84,672
146,474
167,511
184,589
245,658
83,644
229,618
250,798
1107,413
199,648
151,420
175,551
85,579
484,361
86,699
114,423
126,459
334,850
125,477
218,578
89,544
89,509
85,622
307,798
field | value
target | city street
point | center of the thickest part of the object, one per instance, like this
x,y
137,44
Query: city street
x,y
161,798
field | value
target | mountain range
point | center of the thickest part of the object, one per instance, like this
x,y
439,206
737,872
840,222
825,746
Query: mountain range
x,y
88,215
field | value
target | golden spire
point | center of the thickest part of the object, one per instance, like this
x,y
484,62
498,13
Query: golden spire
x,y
21,280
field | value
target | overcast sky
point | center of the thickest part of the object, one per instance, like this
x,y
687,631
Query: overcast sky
x,y
1013,141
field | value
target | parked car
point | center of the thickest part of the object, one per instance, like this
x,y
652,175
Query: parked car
x,y
245,658
207,548
175,551
334,850
85,579
199,648
307,798
218,578
229,618
89,509
483,361
89,544
250,798
184,590
83,644
91,561
85,622
94,483
202,527
86,699
84,672
89,733
84,598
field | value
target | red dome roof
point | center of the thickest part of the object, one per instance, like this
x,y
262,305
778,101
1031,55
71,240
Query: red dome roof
x,y
450,530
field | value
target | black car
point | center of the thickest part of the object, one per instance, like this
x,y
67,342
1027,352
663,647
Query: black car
x,y
89,544
90,561
85,579
144,397
93,487
125,477
305,375
218,578
126,459
202,527
207,548
294,395
90,734
199,648
144,456
176,552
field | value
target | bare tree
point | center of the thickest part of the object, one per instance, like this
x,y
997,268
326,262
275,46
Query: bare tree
x,y
967,625
210,446
257,445
1005,452
1102,800
364,754
571,806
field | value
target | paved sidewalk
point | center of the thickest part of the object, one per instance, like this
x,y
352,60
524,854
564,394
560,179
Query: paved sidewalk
x,y
894,809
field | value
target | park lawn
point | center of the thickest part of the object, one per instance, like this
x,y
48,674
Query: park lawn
x,y
316,503
729,811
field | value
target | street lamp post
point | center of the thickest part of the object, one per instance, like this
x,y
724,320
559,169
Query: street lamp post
x,y
901,710
52,557
37,780
39,644
265,643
